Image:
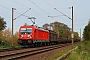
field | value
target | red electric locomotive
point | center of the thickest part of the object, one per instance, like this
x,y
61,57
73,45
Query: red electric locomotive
x,y
29,35
34,36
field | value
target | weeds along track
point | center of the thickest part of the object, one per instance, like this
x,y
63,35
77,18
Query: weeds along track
x,y
22,53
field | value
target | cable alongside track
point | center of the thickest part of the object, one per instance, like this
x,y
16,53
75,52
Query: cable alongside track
x,y
30,52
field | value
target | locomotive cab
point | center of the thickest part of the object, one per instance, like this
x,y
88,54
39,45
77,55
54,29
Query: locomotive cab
x,y
25,35
29,35
25,32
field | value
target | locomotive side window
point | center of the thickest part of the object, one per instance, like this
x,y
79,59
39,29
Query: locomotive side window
x,y
26,30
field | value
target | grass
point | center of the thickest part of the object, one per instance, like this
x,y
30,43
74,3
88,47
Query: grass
x,y
82,53
59,54
75,56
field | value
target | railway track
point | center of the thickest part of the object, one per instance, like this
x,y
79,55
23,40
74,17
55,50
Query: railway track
x,y
10,49
11,55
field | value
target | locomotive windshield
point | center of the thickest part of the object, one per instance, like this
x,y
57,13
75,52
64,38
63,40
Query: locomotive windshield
x,y
26,30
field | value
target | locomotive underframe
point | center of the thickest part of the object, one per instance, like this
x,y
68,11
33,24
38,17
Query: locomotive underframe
x,y
36,42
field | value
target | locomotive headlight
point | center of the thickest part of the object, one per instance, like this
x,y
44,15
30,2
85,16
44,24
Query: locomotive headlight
x,y
21,36
29,36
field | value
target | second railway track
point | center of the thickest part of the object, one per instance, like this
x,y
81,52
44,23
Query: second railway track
x,y
11,55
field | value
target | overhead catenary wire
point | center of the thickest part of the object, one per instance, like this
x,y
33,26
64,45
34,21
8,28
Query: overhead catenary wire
x,y
63,13
48,3
52,7
18,2
38,7
32,9
57,10
28,7
23,13
15,11
41,9
5,7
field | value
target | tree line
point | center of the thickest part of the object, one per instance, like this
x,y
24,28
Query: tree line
x,y
86,33
61,29
6,34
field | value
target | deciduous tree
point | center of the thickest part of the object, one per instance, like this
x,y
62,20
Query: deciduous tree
x,y
86,33
60,28
2,24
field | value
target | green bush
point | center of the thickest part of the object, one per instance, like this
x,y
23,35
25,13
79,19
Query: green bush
x,y
4,44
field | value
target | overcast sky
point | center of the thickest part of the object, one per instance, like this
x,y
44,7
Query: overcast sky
x,y
41,9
